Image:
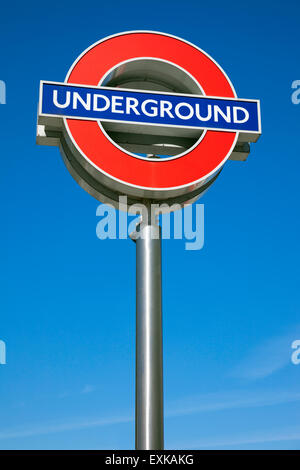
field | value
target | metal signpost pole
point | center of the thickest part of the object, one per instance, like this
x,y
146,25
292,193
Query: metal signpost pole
x,y
148,93
149,426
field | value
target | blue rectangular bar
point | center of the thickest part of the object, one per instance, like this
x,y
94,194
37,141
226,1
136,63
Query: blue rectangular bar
x,y
152,108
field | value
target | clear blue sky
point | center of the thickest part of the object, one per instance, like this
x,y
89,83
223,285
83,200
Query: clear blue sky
x,y
67,299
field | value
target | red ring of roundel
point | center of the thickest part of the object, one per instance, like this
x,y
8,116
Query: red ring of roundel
x,y
94,145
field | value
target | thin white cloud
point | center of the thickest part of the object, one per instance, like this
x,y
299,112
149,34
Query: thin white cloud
x,y
267,358
88,389
230,400
258,437
189,405
64,395
60,427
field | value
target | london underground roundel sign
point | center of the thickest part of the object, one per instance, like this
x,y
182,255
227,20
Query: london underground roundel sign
x,y
146,115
